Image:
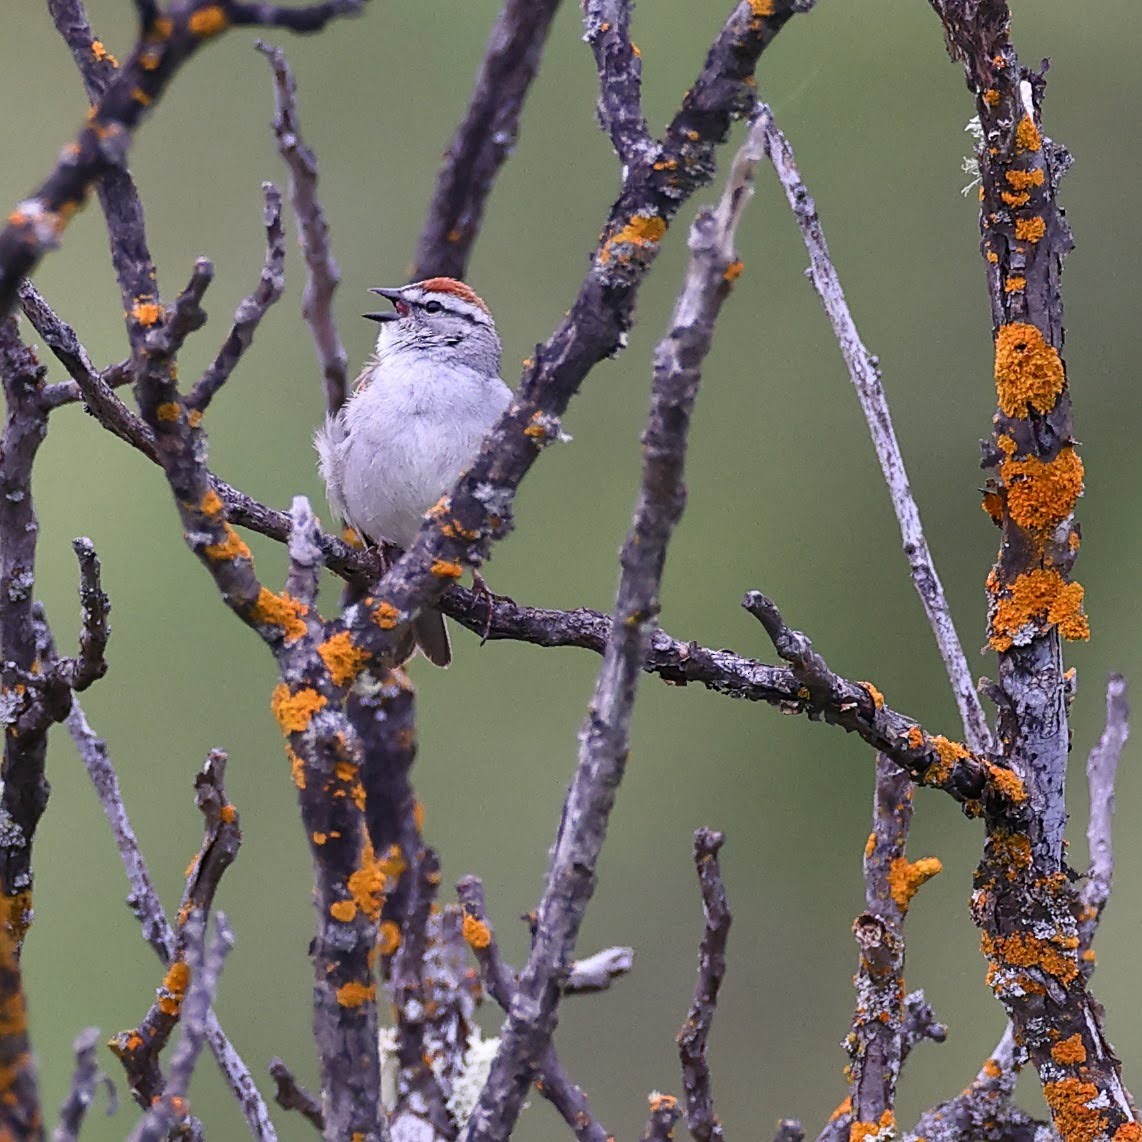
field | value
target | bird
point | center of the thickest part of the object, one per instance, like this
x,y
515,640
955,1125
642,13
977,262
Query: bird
x,y
417,416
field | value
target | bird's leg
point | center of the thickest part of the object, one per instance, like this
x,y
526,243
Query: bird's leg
x,y
481,589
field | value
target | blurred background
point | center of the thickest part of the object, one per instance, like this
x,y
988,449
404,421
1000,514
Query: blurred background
x,y
785,496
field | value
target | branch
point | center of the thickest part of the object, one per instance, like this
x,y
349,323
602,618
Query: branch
x,y
551,1080
91,664
86,1079
664,1113
323,275
864,373
484,139
1024,901
251,310
171,1110
36,223
139,1049
604,738
619,65
1101,775
597,972
290,1095
694,1035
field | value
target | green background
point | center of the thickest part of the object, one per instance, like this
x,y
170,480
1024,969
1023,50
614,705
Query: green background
x,y
785,496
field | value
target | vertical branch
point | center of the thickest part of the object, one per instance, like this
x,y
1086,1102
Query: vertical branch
x,y
484,139
1024,901
604,737
693,1037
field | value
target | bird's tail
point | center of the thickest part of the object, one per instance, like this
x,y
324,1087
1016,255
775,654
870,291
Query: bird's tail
x,y
432,637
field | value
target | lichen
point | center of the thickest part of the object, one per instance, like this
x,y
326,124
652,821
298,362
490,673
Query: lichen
x,y
905,878
294,711
1041,494
342,657
1028,372
282,611
1036,601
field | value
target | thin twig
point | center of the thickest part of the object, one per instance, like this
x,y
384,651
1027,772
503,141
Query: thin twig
x,y
664,1113
1101,775
619,64
86,1080
704,1124
251,309
91,663
323,275
598,971
864,372
291,1095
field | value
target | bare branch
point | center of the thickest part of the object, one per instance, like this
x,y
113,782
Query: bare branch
x,y
251,309
597,972
290,1095
1101,775
91,664
86,1080
864,372
323,275
695,1033
484,139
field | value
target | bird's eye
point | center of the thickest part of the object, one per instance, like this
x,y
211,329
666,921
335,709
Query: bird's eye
x,y
432,307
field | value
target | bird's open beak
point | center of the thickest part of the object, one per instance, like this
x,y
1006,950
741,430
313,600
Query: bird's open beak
x,y
394,295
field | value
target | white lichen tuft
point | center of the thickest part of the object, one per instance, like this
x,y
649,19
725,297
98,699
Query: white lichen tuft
x,y
478,1055
971,162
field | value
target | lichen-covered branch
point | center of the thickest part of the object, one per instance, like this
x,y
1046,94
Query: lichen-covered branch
x,y
484,139
703,1122
1024,901
865,375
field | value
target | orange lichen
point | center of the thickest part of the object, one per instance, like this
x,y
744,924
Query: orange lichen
x,y
211,503
1027,136
150,58
1040,598
876,696
1030,229
660,1102
476,932
352,538
992,503
146,312
733,271
295,711
342,658
1069,1051
859,1131
174,988
1040,495
905,878
1128,1132
141,97
992,256
1025,180
228,814
386,616
194,417
343,910
418,815
169,412
354,994
1015,284
1010,850
1074,1116
446,569
1028,372
231,546
992,1069
1008,784
643,231
101,53
367,884
948,753
991,97
1015,198
281,611
1057,957
915,737
388,937
208,21
392,865
870,846
296,768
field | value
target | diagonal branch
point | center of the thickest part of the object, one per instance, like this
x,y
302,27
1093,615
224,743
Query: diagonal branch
x,y
484,139
604,737
865,375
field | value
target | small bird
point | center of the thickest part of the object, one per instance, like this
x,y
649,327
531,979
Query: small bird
x,y
419,411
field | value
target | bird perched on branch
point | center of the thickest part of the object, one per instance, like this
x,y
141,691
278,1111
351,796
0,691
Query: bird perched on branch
x,y
419,411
